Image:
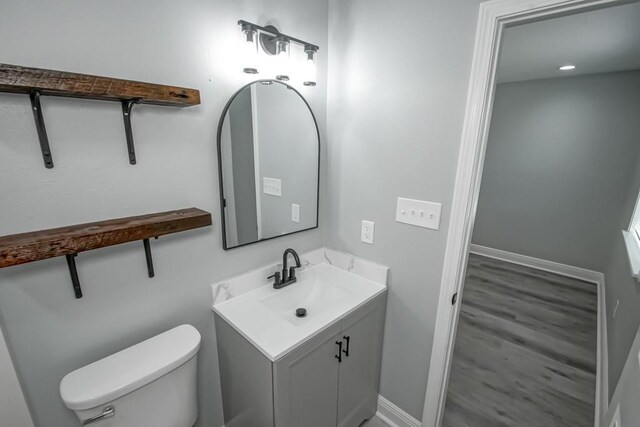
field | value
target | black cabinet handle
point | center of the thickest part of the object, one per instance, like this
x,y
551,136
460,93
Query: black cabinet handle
x,y
339,355
346,351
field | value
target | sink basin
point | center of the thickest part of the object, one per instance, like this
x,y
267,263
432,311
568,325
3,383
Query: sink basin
x,y
314,295
267,317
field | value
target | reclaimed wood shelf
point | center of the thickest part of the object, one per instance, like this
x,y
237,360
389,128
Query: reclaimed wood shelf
x,y
69,241
37,82
18,79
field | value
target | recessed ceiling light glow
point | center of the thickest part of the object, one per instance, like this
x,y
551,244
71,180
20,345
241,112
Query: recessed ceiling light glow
x,y
567,68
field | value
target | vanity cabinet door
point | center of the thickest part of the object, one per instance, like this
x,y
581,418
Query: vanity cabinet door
x,y
359,380
306,383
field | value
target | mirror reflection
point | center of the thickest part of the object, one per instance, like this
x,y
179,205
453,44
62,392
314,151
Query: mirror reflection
x,y
269,151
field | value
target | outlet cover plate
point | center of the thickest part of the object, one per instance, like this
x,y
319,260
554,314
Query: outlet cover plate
x,y
419,213
368,229
295,212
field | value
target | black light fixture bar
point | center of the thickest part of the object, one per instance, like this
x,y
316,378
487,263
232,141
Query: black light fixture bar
x,y
274,32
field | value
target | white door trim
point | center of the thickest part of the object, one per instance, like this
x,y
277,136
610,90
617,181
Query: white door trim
x,y
602,361
493,16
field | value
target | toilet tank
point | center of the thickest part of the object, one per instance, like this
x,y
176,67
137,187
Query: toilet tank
x,y
151,384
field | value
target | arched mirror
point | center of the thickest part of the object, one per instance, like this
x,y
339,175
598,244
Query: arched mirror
x,y
269,156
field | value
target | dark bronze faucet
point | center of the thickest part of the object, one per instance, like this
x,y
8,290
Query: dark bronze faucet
x,y
287,277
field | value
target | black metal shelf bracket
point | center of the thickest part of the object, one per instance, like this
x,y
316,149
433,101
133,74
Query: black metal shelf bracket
x,y
127,106
73,270
36,107
75,281
34,96
147,253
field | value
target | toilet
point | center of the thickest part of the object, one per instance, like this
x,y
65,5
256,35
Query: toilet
x,y
151,384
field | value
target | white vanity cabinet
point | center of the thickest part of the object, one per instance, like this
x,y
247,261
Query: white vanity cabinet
x,y
313,385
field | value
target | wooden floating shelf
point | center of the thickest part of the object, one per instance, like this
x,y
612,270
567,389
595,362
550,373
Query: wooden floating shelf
x,y
69,241
37,82
38,245
18,79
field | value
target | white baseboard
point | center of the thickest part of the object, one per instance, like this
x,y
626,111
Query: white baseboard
x,y
540,264
394,416
602,375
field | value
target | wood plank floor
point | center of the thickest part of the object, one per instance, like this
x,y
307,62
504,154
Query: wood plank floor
x,y
525,352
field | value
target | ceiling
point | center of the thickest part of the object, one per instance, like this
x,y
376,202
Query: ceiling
x,y
599,41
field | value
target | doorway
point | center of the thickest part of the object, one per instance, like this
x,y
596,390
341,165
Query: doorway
x,y
496,19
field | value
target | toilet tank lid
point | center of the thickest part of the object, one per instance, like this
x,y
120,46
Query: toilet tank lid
x,y
128,370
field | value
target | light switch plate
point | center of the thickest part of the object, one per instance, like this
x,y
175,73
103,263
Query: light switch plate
x,y
418,212
272,186
368,229
295,212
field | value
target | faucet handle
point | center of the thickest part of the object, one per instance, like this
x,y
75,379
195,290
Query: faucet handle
x,y
276,278
292,272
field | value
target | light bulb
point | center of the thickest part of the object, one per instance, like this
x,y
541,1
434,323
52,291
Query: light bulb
x,y
250,49
282,59
309,70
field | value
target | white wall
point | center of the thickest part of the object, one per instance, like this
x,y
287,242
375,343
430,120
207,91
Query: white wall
x,y
188,43
399,74
560,155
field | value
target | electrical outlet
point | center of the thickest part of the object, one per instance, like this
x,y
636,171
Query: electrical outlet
x,y
367,232
295,212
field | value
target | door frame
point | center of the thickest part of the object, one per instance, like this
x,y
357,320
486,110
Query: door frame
x,y
493,17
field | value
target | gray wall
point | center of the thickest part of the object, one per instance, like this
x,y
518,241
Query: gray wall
x,y
244,177
559,153
13,406
189,43
398,84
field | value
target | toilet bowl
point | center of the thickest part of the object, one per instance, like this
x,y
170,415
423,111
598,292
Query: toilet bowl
x,y
151,384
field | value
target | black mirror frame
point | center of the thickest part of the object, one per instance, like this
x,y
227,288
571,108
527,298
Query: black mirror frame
x,y
220,179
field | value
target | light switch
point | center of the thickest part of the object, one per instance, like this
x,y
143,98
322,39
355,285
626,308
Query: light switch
x,y
418,212
367,231
272,186
295,212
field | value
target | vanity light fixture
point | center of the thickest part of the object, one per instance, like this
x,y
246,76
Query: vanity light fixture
x,y
279,46
567,67
250,48
283,52
309,69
